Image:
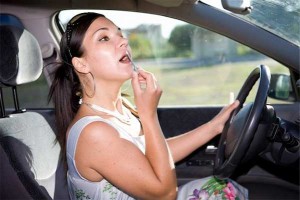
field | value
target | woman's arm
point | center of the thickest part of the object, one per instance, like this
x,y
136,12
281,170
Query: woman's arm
x,y
102,153
183,145
157,150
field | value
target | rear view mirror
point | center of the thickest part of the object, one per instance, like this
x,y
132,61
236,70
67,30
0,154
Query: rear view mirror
x,y
238,6
281,88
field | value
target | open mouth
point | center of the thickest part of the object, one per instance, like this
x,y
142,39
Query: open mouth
x,y
125,59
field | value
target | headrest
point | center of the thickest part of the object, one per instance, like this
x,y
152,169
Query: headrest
x,y
20,56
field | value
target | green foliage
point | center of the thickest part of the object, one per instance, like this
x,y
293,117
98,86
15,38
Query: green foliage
x,y
141,46
180,39
166,51
244,50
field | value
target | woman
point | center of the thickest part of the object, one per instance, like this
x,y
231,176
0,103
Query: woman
x,y
114,151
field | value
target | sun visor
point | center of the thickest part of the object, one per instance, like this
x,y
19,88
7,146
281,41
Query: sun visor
x,y
166,3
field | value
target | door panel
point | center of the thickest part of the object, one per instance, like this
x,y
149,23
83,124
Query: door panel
x,y
177,120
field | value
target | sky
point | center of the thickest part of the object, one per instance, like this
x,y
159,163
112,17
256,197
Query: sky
x,y
128,20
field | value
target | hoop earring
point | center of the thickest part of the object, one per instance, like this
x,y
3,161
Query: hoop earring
x,y
94,87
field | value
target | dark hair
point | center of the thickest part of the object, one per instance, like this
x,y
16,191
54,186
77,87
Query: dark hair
x,y
65,89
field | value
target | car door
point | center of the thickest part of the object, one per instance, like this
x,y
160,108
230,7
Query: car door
x,y
175,121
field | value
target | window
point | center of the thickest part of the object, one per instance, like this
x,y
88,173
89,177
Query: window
x,y
31,95
194,66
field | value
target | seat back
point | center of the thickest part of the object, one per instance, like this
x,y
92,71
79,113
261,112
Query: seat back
x,y
30,155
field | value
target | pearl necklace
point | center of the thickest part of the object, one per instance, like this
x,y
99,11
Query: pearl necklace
x,y
122,118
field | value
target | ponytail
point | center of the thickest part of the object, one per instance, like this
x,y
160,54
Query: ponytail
x,y
63,92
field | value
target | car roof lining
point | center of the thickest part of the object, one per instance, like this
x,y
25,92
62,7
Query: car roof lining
x,y
128,4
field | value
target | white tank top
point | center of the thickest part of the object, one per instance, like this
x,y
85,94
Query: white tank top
x,y
81,188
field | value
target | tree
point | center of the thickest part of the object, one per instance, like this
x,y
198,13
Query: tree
x,y
181,36
140,45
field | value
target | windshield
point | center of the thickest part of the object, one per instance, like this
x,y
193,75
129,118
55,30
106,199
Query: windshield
x,y
279,17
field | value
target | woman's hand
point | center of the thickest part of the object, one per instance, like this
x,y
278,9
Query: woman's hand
x,y
218,122
184,144
146,93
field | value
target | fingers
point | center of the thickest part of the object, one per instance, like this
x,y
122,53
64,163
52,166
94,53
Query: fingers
x,y
143,80
146,92
221,118
148,78
231,106
135,83
234,105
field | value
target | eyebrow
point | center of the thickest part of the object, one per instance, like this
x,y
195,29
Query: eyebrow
x,y
105,29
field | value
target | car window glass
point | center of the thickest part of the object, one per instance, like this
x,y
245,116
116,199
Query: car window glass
x,y
31,95
194,66
276,16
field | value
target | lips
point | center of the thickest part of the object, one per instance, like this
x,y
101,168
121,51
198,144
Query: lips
x,y
124,59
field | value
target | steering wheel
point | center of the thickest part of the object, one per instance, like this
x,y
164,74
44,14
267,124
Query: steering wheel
x,y
241,127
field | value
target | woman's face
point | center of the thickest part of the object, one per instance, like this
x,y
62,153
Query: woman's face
x,y
105,51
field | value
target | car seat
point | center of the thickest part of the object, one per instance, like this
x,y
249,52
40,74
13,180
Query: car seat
x,y
30,166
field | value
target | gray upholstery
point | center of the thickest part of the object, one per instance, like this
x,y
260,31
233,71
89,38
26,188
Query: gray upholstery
x,y
9,187
21,58
30,143
31,167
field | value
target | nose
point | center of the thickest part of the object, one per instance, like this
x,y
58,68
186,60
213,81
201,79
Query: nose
x,y
123,42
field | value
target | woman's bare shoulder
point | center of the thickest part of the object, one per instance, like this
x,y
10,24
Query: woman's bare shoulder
x,y
99,129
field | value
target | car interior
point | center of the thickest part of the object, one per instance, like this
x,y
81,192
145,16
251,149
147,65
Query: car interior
x,y
27,139
265,159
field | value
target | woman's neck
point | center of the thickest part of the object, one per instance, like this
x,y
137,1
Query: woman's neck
x,y
108,100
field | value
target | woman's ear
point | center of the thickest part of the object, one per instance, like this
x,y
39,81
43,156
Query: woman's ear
x,y
79,65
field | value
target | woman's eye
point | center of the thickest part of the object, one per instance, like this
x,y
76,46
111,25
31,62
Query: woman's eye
x,y
104,39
